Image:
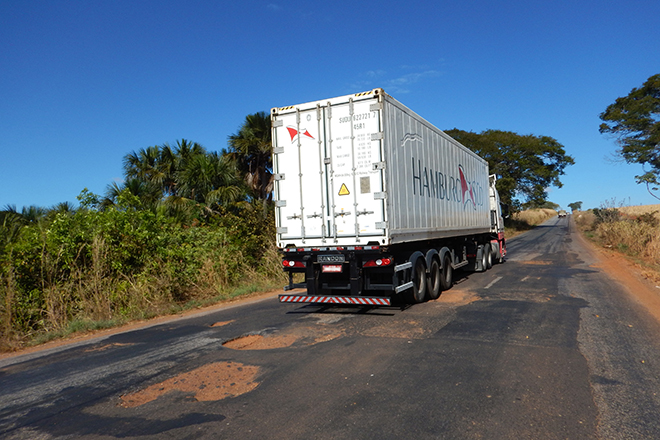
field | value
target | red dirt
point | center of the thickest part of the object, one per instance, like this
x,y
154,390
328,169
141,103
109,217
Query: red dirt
x,y
307,335
258,342
210,382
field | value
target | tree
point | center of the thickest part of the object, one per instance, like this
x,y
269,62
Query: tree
x,y
210,179
635,122
526,165
179,180
149,194
252,150
575,206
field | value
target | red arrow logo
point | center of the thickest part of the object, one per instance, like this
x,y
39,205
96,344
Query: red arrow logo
x,y
466,188
294,133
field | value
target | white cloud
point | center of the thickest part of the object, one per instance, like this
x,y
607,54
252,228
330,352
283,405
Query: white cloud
x,y
397,85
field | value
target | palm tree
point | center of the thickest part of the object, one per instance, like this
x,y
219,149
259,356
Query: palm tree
x,y
144,165
252,150
12,222
150,195
210,179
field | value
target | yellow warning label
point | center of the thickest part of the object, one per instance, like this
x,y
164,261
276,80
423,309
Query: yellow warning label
x,y
343,191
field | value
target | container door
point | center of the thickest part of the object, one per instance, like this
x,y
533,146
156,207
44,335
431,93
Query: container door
x,y
355,170
300,182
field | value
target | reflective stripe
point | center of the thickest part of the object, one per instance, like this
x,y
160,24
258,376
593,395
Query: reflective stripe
x,y
360,300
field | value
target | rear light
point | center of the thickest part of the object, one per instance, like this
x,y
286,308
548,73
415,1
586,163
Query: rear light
x,y
378,263
292,263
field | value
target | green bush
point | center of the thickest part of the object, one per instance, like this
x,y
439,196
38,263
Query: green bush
x,y
124,262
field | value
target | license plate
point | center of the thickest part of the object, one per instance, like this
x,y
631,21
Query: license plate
x,y
331,268
334,258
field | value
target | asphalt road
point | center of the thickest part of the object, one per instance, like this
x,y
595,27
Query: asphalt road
x,y
544,346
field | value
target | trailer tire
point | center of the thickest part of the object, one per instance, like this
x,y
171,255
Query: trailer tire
x,y
499,256
489,256
482,258
418,293
434,280
447,278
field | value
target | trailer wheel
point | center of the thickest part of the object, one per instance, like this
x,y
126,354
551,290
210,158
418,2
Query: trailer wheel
x,y
489,256
482,263
434,280
447,279
499,258
418,293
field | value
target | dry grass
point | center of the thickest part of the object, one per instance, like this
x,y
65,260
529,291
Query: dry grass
x,y
535,217
636,233
639,210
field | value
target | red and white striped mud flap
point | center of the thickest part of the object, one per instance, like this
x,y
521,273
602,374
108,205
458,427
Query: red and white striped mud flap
x,y
359,300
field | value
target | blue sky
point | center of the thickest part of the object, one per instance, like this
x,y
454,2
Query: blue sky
x,y
83,83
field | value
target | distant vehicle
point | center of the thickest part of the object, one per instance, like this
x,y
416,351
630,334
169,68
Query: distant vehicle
x,y
561,213
372,201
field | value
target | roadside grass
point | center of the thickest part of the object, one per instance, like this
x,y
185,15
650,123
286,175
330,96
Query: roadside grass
x,y
87,303
633,231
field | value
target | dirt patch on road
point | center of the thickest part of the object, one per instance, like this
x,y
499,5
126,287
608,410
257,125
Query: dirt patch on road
x,y
259,342
211,382
305,335
456,296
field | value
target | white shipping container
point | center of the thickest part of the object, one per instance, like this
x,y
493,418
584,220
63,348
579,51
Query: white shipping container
x,y
364,169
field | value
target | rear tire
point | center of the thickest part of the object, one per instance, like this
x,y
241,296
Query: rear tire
x,y
489,256
418,293
447,278
433,281
482,263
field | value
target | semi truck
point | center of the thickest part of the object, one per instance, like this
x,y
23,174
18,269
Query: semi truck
x,y
374,204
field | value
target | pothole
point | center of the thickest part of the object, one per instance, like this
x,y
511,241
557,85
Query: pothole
x,y
215,381
304,335
221,323
259,342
